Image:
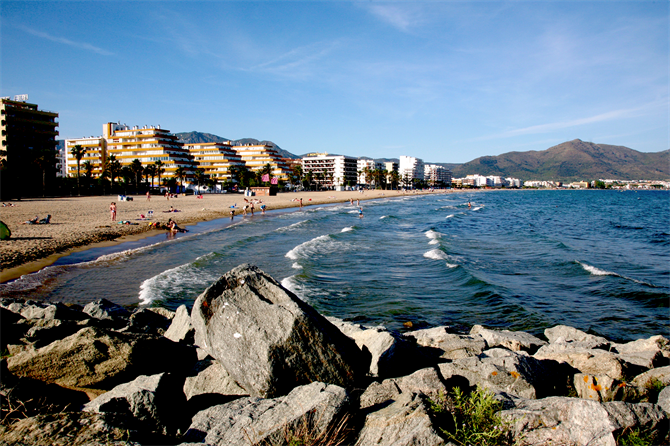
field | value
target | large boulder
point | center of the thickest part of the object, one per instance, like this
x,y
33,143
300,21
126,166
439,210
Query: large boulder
x,y
145,320
588,361
41,310
513,340
648,353
664,400
575,338
391,354
405,422
210,378
107,312
268,339
576,421
152,402
307,412
602,388
425,381
180,329
95,358
439,344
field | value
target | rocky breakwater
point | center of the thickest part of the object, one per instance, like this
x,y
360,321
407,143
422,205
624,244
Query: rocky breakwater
x,y
253,364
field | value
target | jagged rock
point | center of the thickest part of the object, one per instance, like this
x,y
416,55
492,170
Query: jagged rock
x,y
575,338
146,321
314,409
576,421
438,343
100,359
502,370
591,362
44,331
664,400
660,375
391,354
513,340
66,429
209,377
648,353
167,314
425,381
152,402
107,311
41,310
268,339
405,422
180,329
601,388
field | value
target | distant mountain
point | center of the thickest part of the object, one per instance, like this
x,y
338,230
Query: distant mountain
x,y
572,160
197,137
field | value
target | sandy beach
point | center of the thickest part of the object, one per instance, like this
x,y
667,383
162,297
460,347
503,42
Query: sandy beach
x,y
80,222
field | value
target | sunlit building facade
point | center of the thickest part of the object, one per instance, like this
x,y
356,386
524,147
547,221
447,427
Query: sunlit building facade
x,y
215,158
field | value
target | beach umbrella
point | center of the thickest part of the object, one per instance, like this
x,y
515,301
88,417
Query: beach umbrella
x,y
5,233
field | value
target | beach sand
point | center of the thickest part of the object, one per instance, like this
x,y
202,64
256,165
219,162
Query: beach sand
x,y
78,222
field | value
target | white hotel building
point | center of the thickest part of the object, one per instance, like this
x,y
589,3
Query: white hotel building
x,y
330,170
410,168
434,174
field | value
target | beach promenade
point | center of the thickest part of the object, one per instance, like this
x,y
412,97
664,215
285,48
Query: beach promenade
x,y
78,222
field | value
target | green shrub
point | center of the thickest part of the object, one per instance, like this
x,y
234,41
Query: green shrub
x,y
635,437
471,419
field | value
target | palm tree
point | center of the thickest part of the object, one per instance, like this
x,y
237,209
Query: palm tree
x,y
88,171
128,175
45,159
78,153
395,178
309,176
180,173
150,171
159,170
200,177
138,169
113,167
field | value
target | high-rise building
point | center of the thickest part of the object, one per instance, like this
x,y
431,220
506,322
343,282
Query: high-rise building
x,y
437,175
365,167
96,154
330,170
257,156
215,158
410,168
28,146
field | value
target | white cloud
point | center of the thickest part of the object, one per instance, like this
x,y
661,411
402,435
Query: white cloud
x,y
63,40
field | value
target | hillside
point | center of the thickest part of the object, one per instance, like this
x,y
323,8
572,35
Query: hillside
x,y
573,160
195,137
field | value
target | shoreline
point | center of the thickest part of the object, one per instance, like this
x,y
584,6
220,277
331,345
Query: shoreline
x,y
83,223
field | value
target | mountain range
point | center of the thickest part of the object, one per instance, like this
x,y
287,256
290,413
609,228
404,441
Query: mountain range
x,y
198,137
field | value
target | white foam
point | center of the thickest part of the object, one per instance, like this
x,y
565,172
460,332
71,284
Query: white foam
x,y
181,278
296,265
291,227
348,229
434,237
291,284
383,217
477,208
322,244
435,254
601,272
450,216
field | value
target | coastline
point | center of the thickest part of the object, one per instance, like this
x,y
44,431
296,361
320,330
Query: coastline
x,y
81,223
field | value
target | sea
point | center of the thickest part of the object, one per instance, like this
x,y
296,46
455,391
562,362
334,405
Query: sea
x,y
597,260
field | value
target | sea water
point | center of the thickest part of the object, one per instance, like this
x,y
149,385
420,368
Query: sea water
x,y
519,260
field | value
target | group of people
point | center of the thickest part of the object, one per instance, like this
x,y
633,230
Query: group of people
x,y
249,206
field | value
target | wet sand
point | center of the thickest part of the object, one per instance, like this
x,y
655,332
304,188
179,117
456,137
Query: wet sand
x,y
78,222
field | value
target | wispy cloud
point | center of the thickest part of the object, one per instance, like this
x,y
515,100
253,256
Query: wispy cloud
x,y
394,15
81,45
299,62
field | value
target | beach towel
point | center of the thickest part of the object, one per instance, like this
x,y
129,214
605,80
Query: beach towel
x,y
5,233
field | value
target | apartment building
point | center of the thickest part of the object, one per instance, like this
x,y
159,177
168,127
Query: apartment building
x,y
215,158
96,154
410,168
435,174
331,170
25,130
364,163
257,156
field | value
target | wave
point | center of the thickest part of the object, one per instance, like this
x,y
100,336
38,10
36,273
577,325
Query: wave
x,y
452,265
601,272
450,216
291,283
435,254
347,229
322,244
183,278
291,227
477,208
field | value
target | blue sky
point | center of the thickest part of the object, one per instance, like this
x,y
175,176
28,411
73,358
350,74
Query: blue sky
x,y
444,81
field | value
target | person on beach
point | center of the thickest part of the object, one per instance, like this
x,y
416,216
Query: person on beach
x,y
172,225
358,202
112,210
244,210
301,203
360,212
232,213
262,209
469,205
351,201
32,221
148,196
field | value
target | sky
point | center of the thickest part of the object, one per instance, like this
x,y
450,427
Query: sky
x,y
445,81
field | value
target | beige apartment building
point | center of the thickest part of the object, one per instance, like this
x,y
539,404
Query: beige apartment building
x,y
215,158
256,156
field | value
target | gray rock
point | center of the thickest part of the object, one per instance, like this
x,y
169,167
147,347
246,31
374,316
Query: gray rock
x,y
210,377
180,329
148,402
95,358
448,345
107,311
268,339
601,388
66,429
664,400
146,321
314,410
513,340
576,338
425,381
405,422
391,355
40,310
167,314
576,421
591,362
648,353
44,331
647,379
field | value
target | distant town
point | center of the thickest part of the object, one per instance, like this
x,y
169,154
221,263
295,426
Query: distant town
x,y
152,158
